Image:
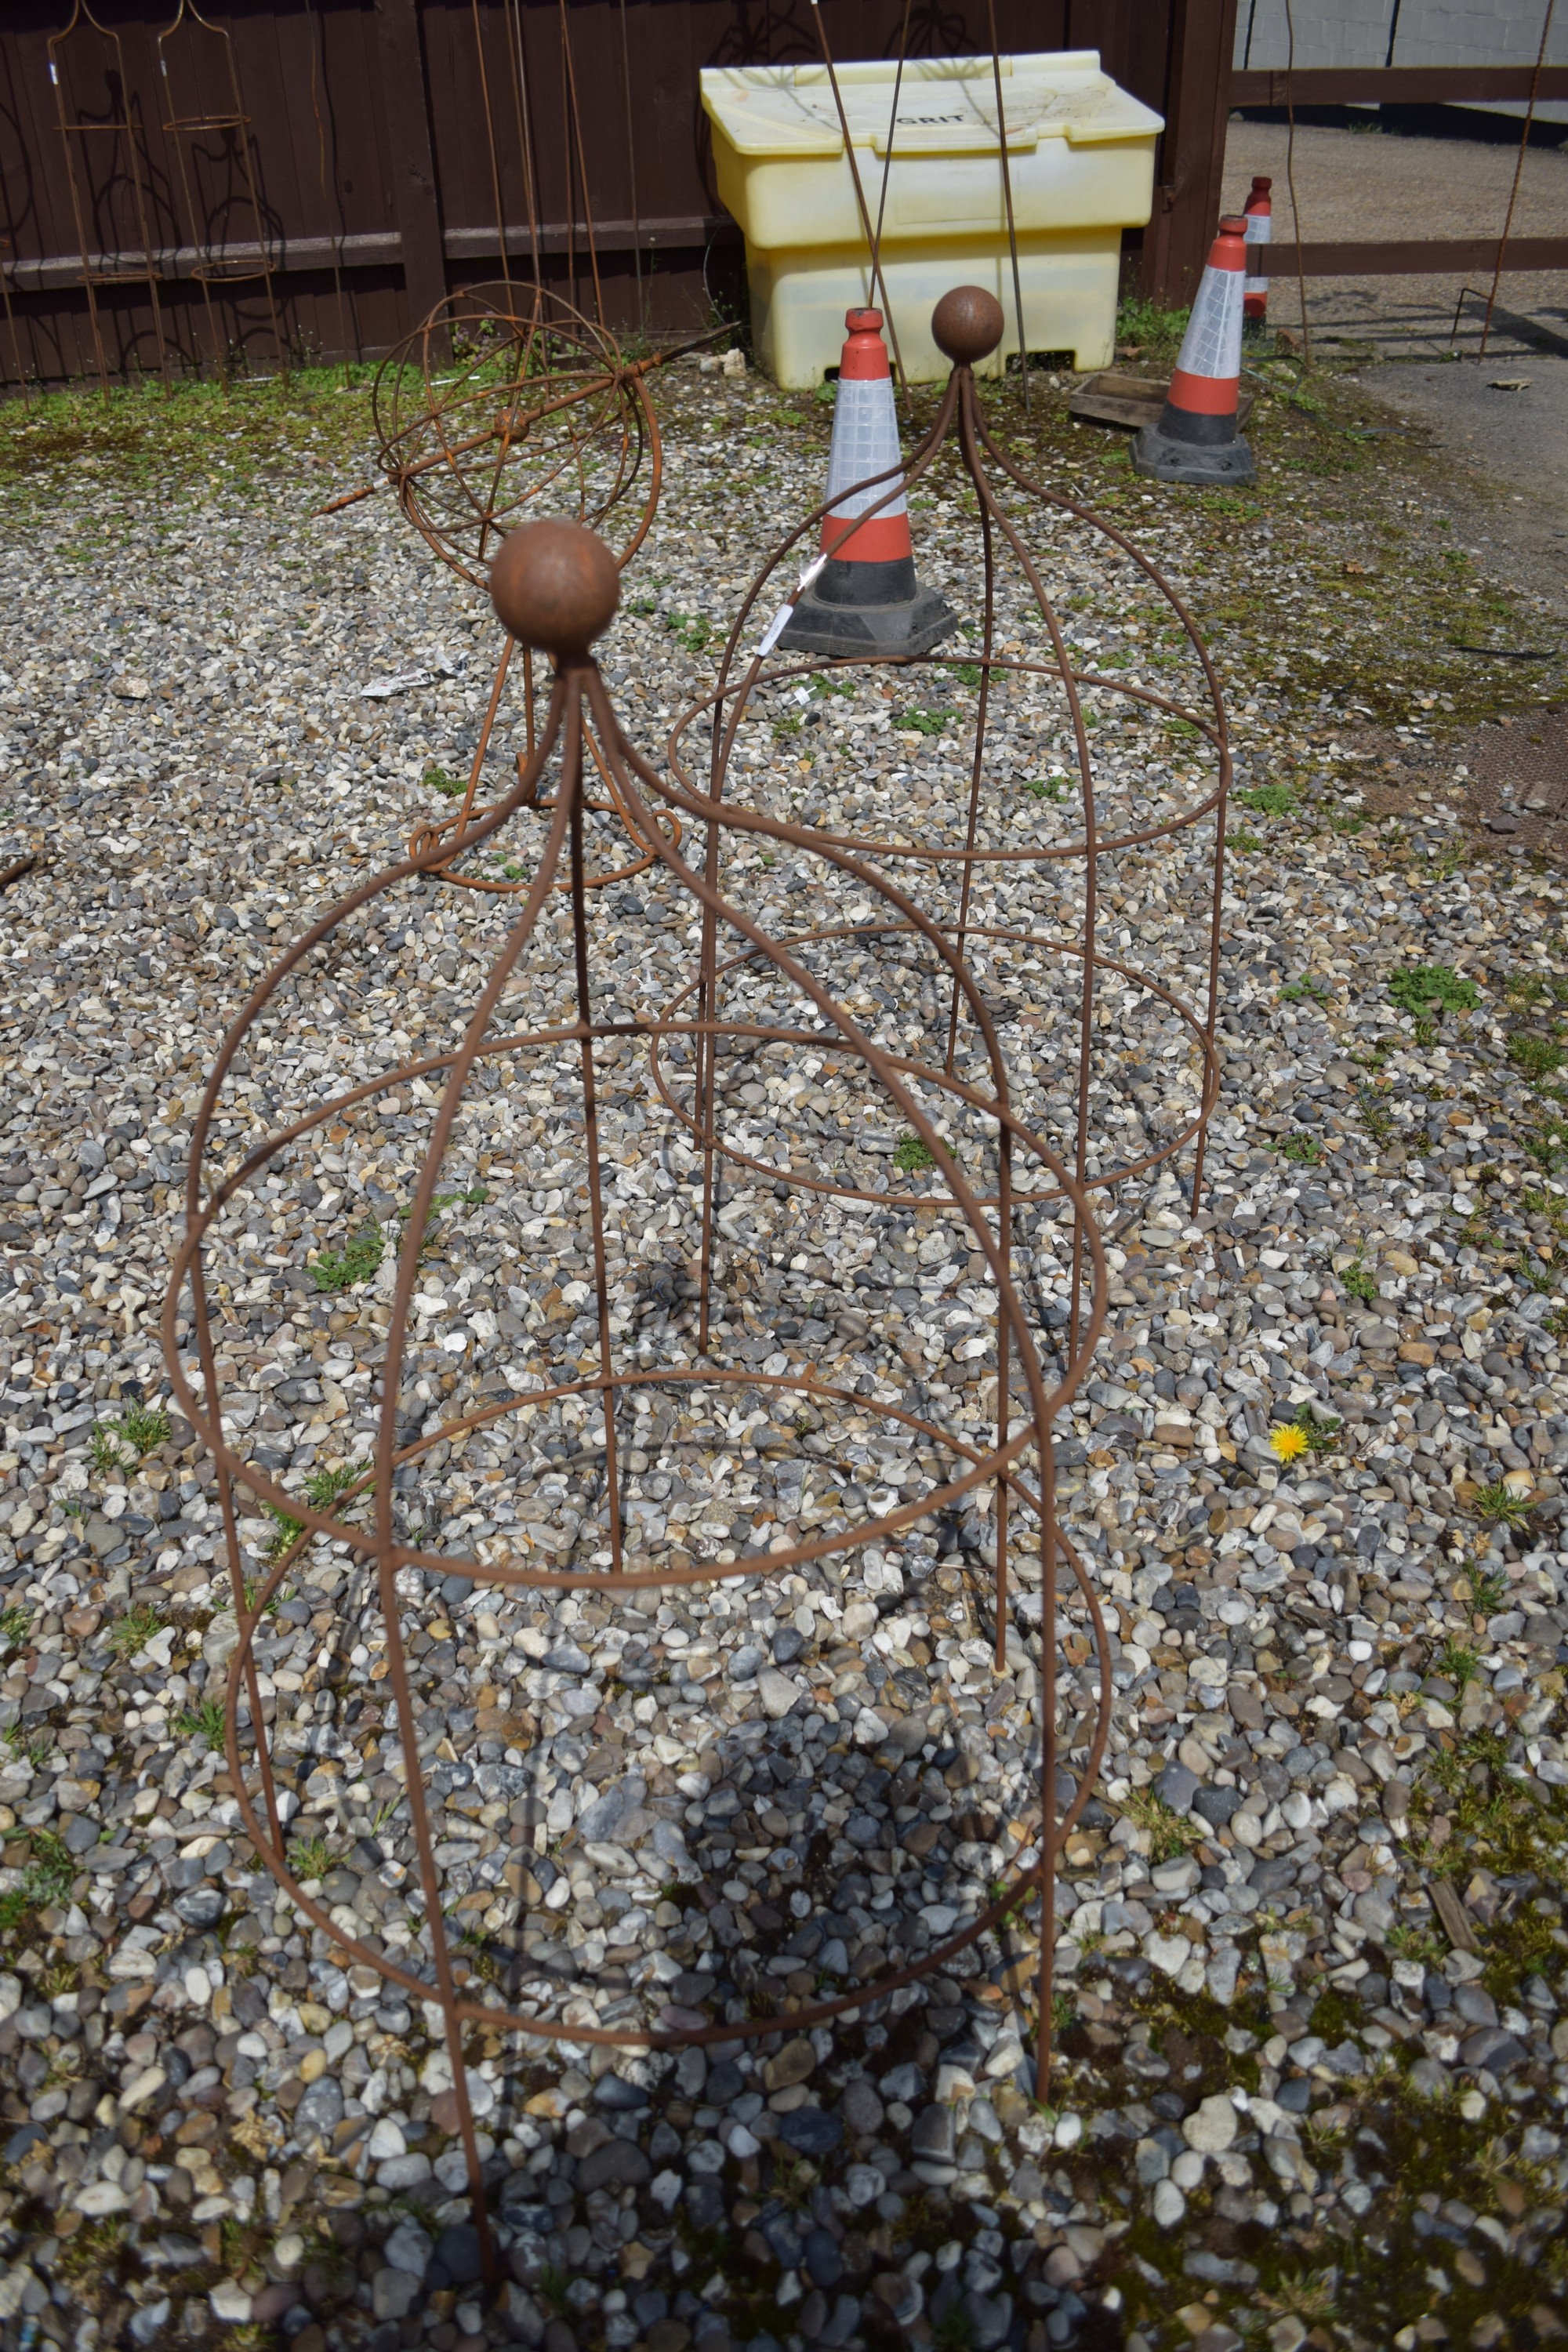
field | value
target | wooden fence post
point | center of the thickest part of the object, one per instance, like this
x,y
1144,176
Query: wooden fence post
x,y
416,197
1192,152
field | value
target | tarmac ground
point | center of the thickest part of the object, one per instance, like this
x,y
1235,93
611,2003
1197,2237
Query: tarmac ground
x,y
1495,399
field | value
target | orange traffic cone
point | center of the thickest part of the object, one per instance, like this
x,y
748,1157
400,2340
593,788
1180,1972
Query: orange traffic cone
x,y
1258,214
1195,439
865,597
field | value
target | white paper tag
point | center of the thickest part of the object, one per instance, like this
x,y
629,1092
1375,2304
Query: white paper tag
x,y
786,613
775,630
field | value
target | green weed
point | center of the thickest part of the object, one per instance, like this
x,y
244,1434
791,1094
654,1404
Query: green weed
x,y
1498,1504
104,1453
310,1857
204,1721
1270,800
1169,1833
1487,1593
1536,1056
441,780
1321,1433
1550,1205
1146,327
1047,788
1495,1821
1296,992
1420,987
14,1624
912,1155
920,723
92,2251
551,2288
1303,1148
1375,1115
288,1529
47,1880
475,1195
955,2331
1459,1665
692,630
323,1488
134,1631
359,1259
1416,1944
1359,1280
144,1428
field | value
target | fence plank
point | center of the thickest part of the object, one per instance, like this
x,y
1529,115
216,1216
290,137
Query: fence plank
x,y
1424,256
406,108
1394,85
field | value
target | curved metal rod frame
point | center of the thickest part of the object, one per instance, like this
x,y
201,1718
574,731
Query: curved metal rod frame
x,y
578,696
961,417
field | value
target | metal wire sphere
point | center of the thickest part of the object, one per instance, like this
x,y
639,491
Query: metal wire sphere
x,y
505,405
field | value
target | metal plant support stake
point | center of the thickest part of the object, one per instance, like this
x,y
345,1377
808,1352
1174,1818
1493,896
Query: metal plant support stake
x,y
986,826
80,132
555,587
215,263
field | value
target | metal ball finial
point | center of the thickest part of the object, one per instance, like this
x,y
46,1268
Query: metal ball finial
x,y
967,324
555,585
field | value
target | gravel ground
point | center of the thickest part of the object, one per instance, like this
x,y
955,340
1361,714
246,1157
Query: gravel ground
x,y
1310,1980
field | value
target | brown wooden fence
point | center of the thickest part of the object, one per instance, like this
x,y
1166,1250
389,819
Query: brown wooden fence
x,y
382,138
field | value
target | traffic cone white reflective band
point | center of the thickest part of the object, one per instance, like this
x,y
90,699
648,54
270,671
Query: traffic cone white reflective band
x,y
1259,218
1207,376
864,442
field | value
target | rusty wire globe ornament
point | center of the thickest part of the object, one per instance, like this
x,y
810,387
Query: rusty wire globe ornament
x,y
506,406
1038,805
556,587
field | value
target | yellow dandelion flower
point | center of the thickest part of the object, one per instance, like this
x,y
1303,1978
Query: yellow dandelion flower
x,y
1289,1442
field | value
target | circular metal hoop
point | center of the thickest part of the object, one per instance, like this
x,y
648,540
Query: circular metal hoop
x,y
447,836
1022,1878
907,1197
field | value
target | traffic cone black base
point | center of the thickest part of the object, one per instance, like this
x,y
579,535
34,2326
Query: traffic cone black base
x,y
1165,459
850,609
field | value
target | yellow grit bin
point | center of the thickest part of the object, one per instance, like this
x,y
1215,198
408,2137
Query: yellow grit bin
x,y
1080,156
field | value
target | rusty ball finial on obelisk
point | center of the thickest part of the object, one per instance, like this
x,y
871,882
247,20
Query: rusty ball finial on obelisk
x,y
555,585
967,324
